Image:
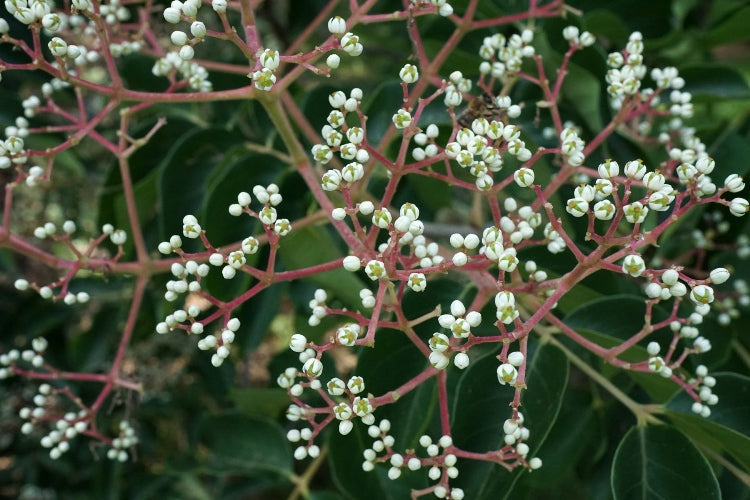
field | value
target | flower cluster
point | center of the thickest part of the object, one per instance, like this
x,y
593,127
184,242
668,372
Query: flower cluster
x,y
504,56
481,149
529,208
334,133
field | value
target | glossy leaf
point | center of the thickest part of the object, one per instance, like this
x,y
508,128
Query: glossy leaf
x,y
320,248
714,82
345,460
393,361
380,107
481,407
728,427
732,28
660,462
580,88
260,401
610,320
186,168
240,442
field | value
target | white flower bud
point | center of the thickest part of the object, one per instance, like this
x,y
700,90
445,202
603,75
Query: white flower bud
x,y
417,282
461,360
375,270
515,358
577,207
439,360
445,10
337,25
635,169
352,263
739,207
670,277
312,367
734,183
402,119
264,79
609,169
172,15
635,213
507,374
382,218
524,177
653,290
178,38
702,294
570,33
633,265
409,73
459,259
719,275
333,61
653,181
298,342
269,59
58,47
678,290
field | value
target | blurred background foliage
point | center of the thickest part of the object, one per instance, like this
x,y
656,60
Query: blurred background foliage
x,y
220,433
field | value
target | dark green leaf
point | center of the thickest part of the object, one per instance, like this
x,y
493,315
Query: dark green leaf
x,y
345,460
481,407
732,29
187,166
581,89
240,443
611,320
617,316
714,82
660,462
380,108
319,248
393,361
728,426
260,401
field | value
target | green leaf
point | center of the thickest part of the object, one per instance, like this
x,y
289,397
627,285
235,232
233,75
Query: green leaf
x,y
714,82
345,460
187,166
240,172
380,107
260,401
730,151
256,316
242,443
728,426
432,194
645,15
393,361
581,89
617,316
237,171
319,248
324,495
660,462
611,320
574,440
732,29
481,407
